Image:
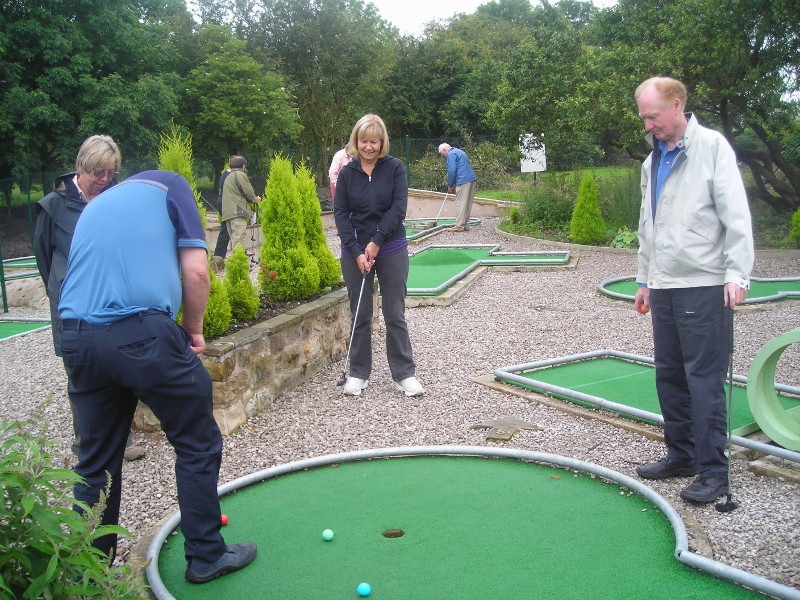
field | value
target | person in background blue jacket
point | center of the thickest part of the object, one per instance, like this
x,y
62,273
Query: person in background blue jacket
x,y
369,209
461,177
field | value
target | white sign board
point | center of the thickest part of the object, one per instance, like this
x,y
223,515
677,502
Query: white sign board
x,y
534,157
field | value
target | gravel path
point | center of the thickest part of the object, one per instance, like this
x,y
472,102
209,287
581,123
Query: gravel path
x,y
504,319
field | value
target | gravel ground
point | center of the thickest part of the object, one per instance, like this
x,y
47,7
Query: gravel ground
x,y
504,319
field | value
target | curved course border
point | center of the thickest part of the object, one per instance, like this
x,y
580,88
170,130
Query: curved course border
x,y
603,289
682,553
781,425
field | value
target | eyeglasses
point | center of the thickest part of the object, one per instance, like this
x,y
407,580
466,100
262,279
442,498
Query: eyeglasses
x,y
99,173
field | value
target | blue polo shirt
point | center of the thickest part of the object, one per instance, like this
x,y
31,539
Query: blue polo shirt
x,y
124,255
665,164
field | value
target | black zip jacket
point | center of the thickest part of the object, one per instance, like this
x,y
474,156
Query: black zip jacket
x,y
56,217
371,208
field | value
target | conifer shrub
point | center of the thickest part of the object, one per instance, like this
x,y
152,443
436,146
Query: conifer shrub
x,y
330,271
217,318
587,225
794,232
242,294
288,271
175,154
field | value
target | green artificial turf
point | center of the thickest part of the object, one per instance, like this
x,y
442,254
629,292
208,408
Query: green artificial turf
x,y
632,384
758,289
9,328
474,528
431,267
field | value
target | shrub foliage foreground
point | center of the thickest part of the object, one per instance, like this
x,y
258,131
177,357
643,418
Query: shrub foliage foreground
x,y
46,542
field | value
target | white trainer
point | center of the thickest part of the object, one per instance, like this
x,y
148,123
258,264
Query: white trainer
x,y
354,385
410,386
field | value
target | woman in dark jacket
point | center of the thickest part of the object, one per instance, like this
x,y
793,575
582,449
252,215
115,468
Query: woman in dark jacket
x,y
96,169
369,208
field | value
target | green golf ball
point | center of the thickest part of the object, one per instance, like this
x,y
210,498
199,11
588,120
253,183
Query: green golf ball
x,y
327,535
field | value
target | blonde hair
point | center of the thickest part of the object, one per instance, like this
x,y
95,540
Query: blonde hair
x,y
97,152
368,126
668,88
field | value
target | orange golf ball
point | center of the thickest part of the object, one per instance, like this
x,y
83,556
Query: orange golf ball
x,y
224,519
644,309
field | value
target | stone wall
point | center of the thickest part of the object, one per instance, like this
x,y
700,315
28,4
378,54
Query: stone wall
x,y
252,367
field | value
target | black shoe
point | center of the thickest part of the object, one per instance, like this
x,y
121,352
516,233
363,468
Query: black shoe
x,y
705,489
236,556
667,467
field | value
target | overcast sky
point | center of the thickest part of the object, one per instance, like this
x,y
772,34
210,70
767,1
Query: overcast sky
x,y
411,16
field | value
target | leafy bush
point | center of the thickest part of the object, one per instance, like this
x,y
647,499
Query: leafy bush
x,y
549,204
514,215
46,543
620,198
218,310
241,292
625,238
794,232
587,225
330,271
288,271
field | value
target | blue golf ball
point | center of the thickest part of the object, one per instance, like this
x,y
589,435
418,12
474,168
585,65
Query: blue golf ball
x,y
327,535
364,589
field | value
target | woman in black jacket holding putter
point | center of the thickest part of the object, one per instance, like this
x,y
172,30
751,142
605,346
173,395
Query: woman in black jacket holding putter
x,y
369,208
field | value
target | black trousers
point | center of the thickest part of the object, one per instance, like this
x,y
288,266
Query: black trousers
x,y
221,249
691,337
145,357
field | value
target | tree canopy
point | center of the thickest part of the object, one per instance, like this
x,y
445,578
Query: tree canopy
x,y
261,76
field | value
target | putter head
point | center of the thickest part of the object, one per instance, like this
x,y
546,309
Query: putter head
x,y
341,380
727,506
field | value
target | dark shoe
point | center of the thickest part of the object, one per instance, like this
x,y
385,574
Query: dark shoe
x,y
236,556
667,467
705,489
134,452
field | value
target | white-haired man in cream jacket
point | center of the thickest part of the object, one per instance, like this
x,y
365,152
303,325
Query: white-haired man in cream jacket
x,y
695,257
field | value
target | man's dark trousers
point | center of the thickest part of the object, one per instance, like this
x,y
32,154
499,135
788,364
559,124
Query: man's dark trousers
x,y
691,340
145,356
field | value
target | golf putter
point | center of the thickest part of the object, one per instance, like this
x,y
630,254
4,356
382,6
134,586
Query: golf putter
x,y
729,505
343,378
436,222
253,221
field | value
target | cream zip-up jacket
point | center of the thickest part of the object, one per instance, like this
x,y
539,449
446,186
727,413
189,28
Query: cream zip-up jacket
x,y
702,234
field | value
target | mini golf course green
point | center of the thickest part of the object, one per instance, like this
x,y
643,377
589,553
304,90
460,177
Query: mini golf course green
x,y
13,328
761,290
434,269
417,229
448,522
624,384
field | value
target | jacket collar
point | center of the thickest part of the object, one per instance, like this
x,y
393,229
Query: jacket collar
x,y
691,126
